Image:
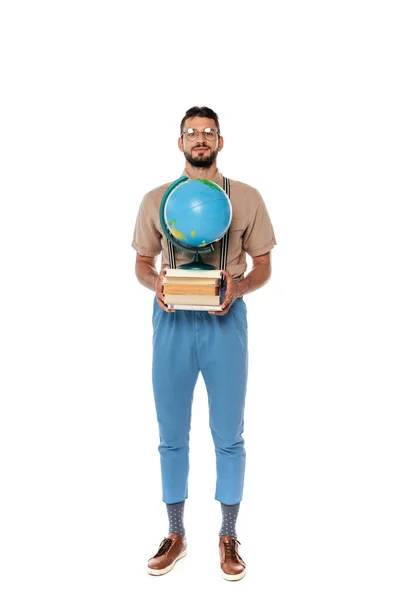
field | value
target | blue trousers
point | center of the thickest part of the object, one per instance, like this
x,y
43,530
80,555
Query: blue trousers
x,y
186,343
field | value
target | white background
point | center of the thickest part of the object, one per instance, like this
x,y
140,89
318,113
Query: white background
x,y
308,99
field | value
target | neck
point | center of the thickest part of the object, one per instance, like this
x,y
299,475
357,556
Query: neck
x,y
198,173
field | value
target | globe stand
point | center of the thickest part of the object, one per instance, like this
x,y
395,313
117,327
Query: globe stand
x,y
197,263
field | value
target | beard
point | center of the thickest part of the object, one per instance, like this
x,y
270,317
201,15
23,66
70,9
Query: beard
x,y
202,162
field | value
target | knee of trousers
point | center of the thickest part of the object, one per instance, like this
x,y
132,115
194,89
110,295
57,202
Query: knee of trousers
x,y
173,443
173,432
229,446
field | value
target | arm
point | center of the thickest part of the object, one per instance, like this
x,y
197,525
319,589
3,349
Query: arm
x,y
146,272
256,278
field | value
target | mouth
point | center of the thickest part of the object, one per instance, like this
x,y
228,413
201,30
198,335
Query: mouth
x,y
200,149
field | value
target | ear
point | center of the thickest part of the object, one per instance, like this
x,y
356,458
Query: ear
x,y
180,145
220,143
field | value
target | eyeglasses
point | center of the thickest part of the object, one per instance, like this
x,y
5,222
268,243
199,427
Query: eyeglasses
x,y
192,134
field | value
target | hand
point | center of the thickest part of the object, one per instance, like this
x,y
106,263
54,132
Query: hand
x,y
231,293
159,292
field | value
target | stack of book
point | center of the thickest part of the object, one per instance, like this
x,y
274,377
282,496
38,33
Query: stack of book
x,y
194,289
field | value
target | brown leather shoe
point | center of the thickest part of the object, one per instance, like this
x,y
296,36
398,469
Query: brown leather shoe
x,y
171,549
233,566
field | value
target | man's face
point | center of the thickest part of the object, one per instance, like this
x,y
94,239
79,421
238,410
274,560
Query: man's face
x,y
200,152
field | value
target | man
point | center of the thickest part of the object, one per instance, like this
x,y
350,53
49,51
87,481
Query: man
x,y
186,342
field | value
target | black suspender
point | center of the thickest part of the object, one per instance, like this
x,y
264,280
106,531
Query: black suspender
x,y
225,239
171,254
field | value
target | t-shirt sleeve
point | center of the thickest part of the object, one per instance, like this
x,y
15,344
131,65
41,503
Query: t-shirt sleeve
x,y
259,237
146,236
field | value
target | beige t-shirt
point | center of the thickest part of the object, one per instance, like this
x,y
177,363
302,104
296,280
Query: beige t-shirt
x,y
251,229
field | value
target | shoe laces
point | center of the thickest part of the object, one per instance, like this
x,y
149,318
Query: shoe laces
x,y
230,549
164,546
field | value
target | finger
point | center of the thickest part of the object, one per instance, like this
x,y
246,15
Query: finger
x,y
167,309
220,313
162,275
160,303
229,287
164,307
227,300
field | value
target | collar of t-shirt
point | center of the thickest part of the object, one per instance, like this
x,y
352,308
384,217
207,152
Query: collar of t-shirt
x,y
218,178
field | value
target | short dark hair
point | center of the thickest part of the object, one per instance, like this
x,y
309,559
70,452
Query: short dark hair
x,y
200,111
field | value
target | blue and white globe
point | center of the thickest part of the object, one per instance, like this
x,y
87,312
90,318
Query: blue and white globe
x,y
197,212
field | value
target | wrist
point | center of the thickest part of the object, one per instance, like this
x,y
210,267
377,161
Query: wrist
x,y
241,287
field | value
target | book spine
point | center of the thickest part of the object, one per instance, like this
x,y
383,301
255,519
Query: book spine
x,y
183,299
191,281
170,288
193,307
212,273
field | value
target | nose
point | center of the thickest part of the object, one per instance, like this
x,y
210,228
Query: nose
x,y
201,135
